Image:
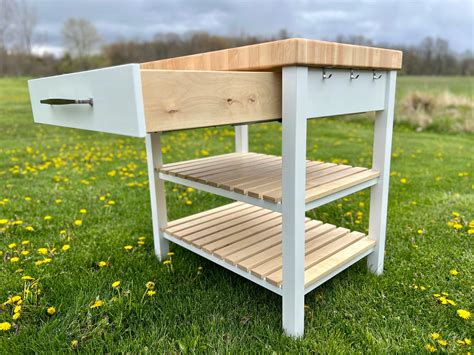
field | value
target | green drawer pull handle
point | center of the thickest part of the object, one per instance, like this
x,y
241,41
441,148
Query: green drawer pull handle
x,y
66,101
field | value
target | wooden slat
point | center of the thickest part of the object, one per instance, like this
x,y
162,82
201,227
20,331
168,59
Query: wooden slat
x,y
259,176
169,166
199,215
335,261
276,54
341,184
249,237
320,252
190,99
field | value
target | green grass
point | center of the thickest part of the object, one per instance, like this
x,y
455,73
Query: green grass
x,y
215,310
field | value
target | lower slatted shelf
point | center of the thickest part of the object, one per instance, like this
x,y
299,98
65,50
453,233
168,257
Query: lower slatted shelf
x,y
249,238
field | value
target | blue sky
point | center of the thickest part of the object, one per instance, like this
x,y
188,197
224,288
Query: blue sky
x,y
387,21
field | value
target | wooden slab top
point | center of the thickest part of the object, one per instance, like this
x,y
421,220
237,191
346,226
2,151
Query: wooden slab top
x,y
274,55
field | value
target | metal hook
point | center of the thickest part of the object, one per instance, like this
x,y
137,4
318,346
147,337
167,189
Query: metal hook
x,y
354,76
326,76
375,76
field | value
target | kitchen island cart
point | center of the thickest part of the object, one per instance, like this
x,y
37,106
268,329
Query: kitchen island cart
x,y
264,235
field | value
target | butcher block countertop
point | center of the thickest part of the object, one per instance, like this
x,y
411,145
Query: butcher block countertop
x,y
272,56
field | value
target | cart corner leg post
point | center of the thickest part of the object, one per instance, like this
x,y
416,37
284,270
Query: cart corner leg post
x,y
157,193
381,162
241,138
295,86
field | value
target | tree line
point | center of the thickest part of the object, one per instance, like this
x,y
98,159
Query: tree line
x,y
85,49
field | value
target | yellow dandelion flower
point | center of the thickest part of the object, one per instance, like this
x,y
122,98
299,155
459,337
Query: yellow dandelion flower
x,y
3,221
141,242
74,343
116,284
150,285
62,232
58,201
189,202
16,316
25,252
467,341
430,348
83,211
27,278
453,272
102,264
435,336
66,247
29,228
189,189
455,214
141,238
470,231
17,223
47,218
102,198
17,309
43,251
111,202
151,293
51,311
25,242
128,247
420,231
442,342
97,304
457,226
166,262
27,198
463,313
170,253
78,222
12,245
461,342
403,181
451,302
5,326
15,259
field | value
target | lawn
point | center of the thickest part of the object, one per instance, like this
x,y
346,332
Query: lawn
x,y
70,201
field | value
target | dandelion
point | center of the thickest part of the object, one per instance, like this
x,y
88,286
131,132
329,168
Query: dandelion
x,y
48,218
167,262
170,253
97,304
453,272
403,181
78,222
5,326
25,242
467,341
12,245
435,336
457,226
43,251
16,316
74,343
15,259
116,284
128,247
17,309
51,311
66,247
102,263
27,198
151,293
442,342
430,348
189,202
83,211
111,202
420,231
27,278
463,313
58,201
3,221
29,228
150,285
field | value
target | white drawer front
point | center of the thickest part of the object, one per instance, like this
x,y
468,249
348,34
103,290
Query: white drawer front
x,y
117,100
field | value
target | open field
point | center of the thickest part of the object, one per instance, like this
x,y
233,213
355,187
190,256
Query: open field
x,y
70,200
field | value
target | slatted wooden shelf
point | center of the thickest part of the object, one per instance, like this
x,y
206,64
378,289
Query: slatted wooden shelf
x,y
249,237
259,175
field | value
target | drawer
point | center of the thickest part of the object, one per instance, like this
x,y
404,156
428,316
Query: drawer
x,y
116,93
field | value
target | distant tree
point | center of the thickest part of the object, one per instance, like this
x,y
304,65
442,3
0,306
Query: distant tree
x,y
7,8
26,19
80,39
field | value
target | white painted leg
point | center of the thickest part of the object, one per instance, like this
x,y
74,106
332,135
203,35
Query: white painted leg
x,y
381,162
295,86
242,138
157,193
